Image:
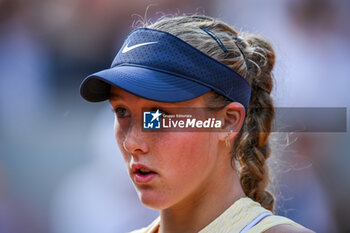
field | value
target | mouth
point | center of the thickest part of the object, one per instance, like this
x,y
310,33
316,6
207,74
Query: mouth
x,y
142,174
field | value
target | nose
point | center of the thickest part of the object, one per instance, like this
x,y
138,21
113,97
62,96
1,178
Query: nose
x,y
135,141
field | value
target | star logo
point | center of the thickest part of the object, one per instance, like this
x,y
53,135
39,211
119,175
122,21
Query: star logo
x,y
151,120
156,115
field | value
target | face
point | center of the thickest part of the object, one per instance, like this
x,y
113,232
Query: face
x,y
166,168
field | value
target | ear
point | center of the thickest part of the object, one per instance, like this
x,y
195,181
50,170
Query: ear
x,y
233,116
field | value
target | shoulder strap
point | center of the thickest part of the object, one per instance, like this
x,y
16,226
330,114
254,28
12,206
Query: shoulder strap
x,y
273,220
255,221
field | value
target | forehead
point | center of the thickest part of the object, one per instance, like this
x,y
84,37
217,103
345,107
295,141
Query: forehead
x,y
117,94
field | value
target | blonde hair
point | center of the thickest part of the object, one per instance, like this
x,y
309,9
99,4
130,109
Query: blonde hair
x,y
251,56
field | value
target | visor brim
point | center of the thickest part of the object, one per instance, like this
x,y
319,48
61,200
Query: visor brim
x,y
146,83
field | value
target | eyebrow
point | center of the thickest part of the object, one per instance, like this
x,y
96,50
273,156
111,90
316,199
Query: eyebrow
x,y
115,96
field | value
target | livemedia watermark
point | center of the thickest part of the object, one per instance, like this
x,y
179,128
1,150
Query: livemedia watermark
x,y
305,119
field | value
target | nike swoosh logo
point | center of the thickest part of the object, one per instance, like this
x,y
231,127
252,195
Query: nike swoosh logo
x,y
127,48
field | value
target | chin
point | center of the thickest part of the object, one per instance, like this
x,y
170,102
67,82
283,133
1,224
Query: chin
x,y
153,199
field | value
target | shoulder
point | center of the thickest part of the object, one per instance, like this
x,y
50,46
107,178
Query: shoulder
x,y
277,224
286,228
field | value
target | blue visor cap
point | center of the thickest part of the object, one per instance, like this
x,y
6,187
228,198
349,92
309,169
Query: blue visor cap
x,y
159,66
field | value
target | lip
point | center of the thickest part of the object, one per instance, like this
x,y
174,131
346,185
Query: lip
x,y
142,178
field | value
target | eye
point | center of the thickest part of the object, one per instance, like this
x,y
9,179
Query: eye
x,y
121,112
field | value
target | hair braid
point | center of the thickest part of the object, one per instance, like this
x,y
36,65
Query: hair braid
x,y
251,146
252,149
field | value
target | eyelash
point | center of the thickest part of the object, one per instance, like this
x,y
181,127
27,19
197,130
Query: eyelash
x,y
117,111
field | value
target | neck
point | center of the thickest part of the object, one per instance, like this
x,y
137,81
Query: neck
x,y
203,206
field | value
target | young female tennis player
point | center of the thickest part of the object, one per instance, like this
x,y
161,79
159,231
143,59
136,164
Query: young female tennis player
x,y
211,181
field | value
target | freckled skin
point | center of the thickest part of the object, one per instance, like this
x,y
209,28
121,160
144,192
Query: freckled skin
x,y
185,161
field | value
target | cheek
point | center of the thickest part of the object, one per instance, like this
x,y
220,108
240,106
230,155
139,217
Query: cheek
x,y
186,163
119,135
189,154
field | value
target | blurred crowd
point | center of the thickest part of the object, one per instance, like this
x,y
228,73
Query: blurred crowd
x,y
60,168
